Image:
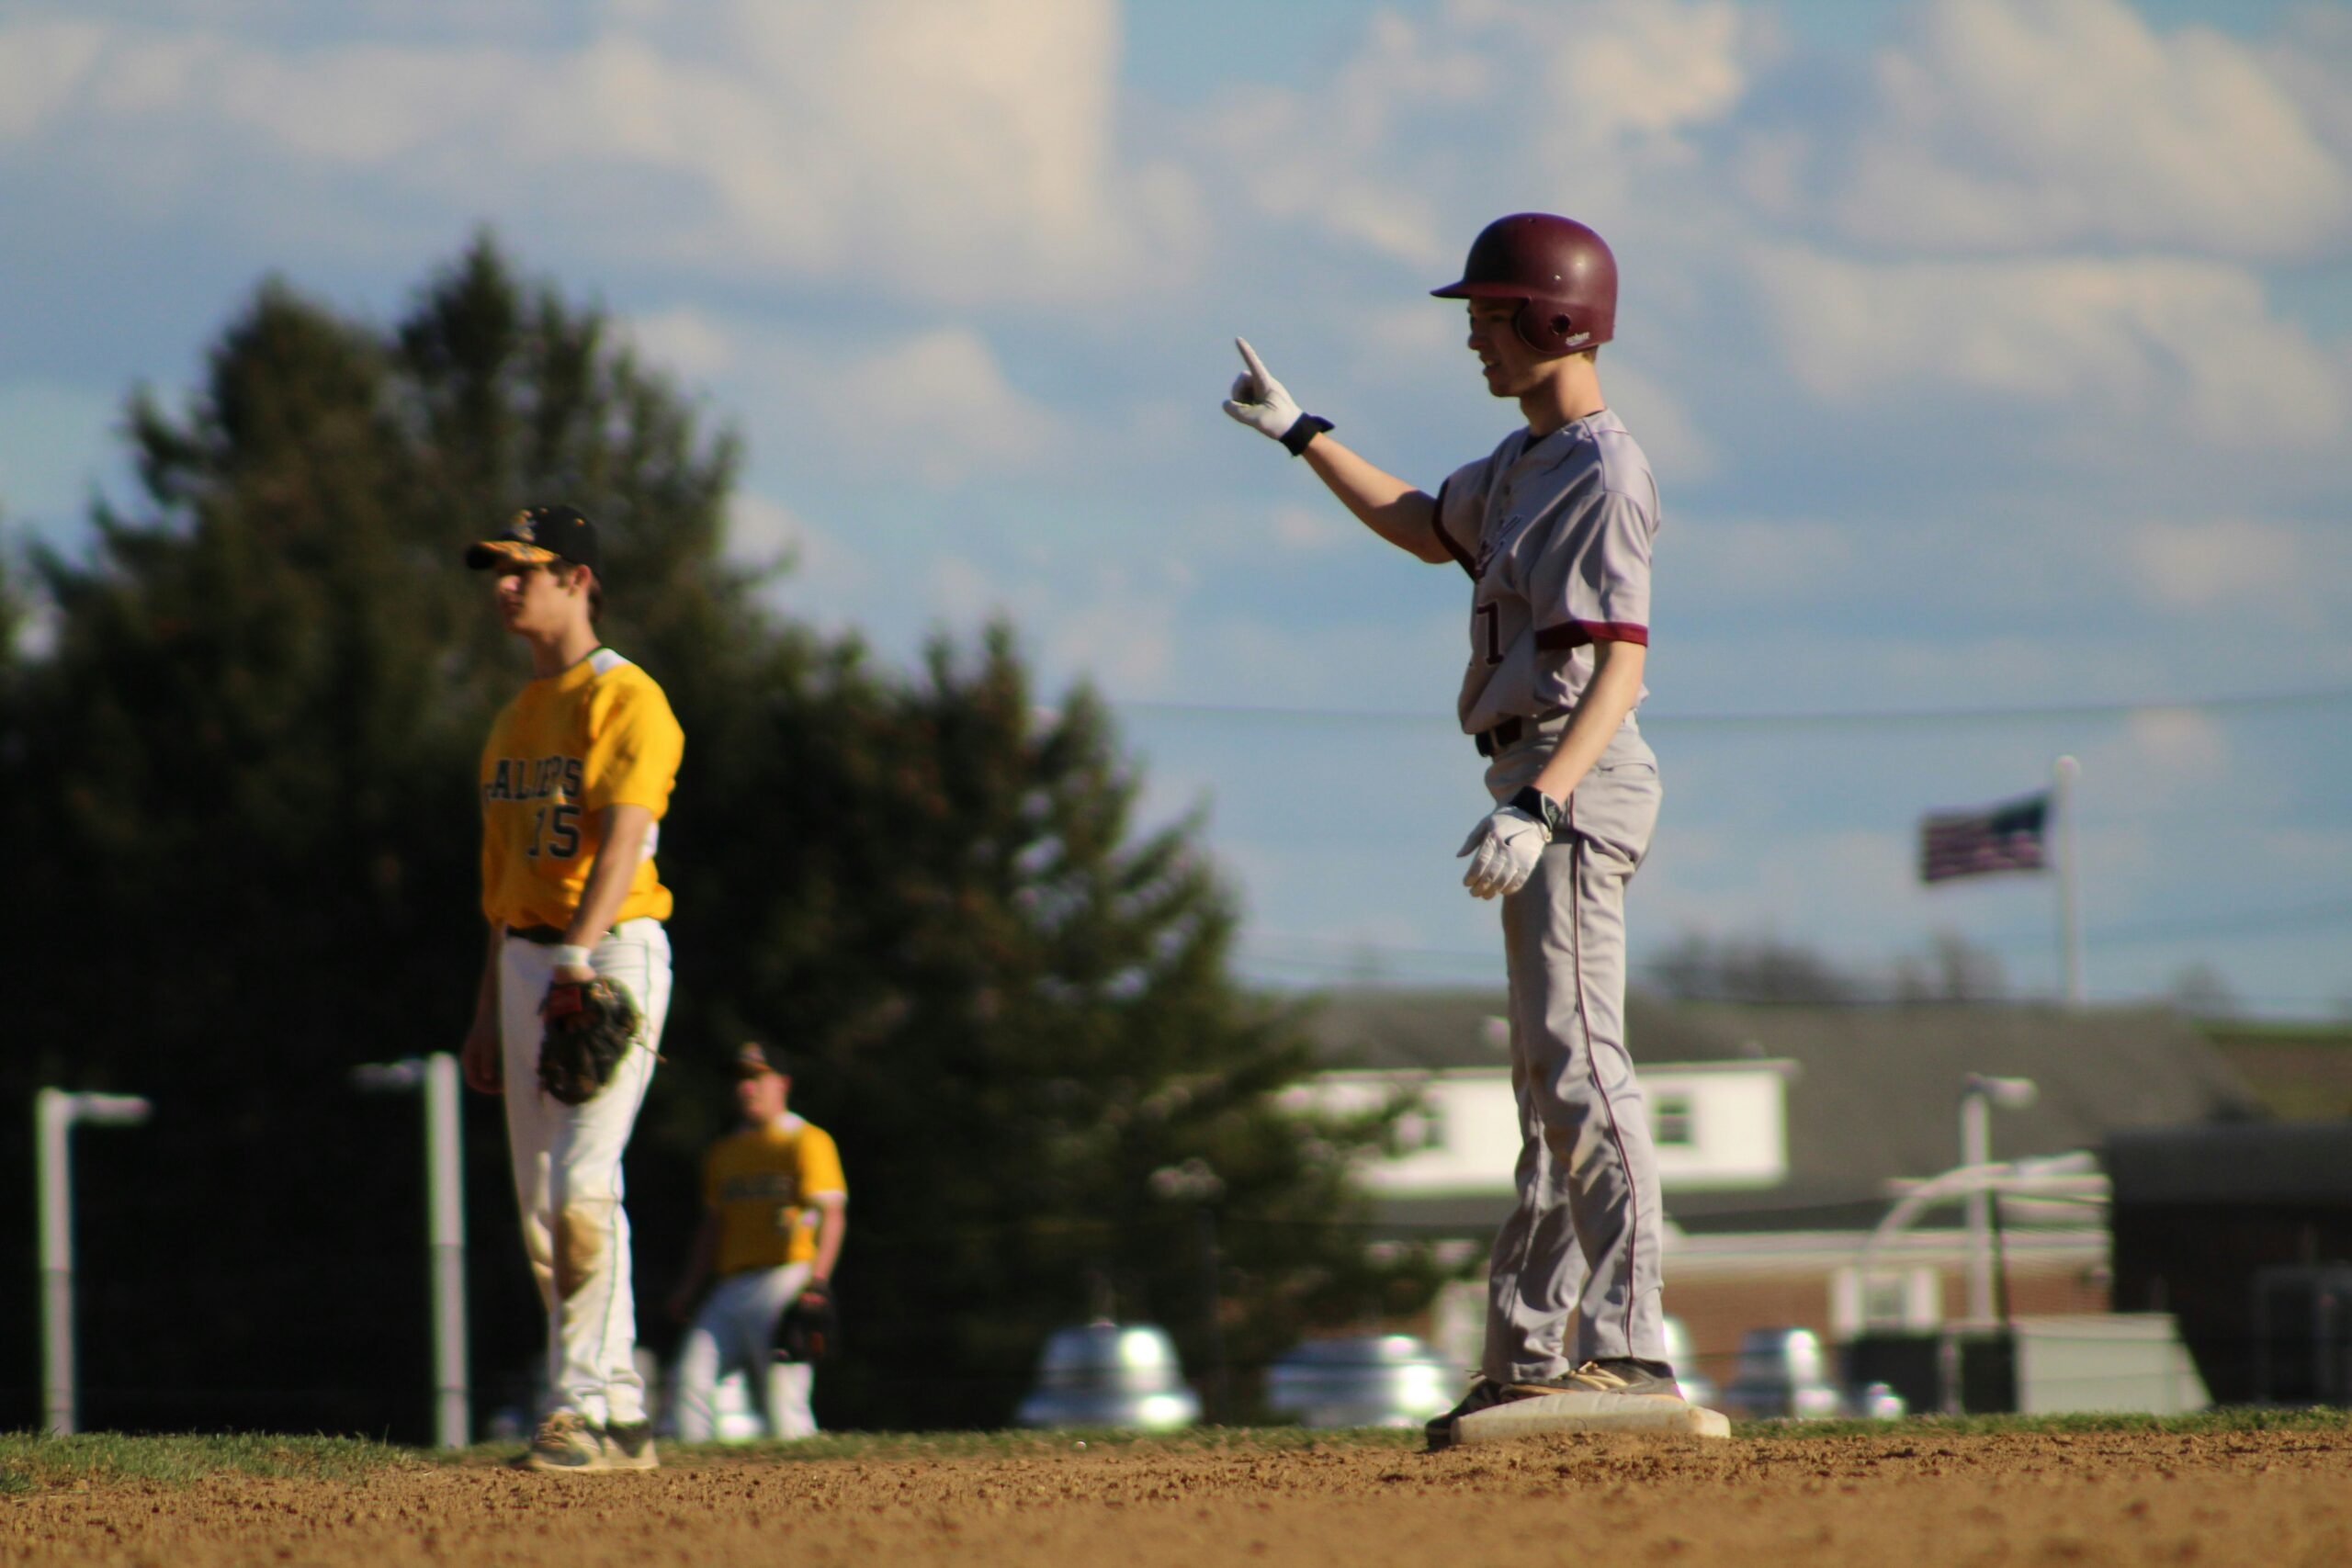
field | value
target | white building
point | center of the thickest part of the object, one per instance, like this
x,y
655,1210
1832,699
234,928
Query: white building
x,y
1783,1133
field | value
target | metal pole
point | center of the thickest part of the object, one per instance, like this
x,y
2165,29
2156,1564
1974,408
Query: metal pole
x,y
54,1113
2000,1268
446,1239
52,1120
444,1228
1976,1151
1220,1379
2070,918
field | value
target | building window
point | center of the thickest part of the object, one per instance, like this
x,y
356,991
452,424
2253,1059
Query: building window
x,y
1887,1299
1676,1123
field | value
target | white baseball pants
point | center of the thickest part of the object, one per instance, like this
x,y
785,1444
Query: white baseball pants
x,y
568,1173
735,1332
1576,1273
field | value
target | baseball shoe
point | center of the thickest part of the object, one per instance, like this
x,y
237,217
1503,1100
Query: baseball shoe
x,y
1485,1394
566,1441
628,1445
1653,1380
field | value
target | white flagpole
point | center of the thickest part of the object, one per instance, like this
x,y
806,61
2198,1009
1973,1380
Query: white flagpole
x,y
2070,918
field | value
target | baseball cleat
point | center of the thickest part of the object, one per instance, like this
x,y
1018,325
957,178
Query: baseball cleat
x,y
569,1442
1485,1394
1651,1380
628,1445
1627,1377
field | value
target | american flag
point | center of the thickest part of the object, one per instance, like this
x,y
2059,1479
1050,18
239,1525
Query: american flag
x,y
2008,837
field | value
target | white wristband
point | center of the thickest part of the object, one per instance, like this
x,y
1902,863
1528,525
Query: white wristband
x,y
572,956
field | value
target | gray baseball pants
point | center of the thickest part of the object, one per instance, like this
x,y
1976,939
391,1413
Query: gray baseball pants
x,y
1575,1274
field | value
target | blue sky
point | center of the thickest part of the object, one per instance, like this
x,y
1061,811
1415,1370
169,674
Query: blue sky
x,y
1991,354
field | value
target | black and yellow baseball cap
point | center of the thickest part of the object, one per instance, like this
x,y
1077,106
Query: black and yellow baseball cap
x,y
539,535
751,1059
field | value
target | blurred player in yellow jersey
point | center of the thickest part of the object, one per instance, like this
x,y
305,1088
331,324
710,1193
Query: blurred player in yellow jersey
x,y
574,781
774,1210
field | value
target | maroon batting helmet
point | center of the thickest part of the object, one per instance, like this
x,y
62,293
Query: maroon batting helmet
x,y
1558,270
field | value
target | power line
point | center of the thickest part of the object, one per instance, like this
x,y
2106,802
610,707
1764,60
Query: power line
x,y
1475,970
1346,954
2240,703
2253,1006
2297,917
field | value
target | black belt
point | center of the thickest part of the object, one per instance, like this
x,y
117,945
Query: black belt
x,y
545,936
1507,733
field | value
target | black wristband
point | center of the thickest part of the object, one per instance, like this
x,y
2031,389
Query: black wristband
x,y
1304,429
1541,806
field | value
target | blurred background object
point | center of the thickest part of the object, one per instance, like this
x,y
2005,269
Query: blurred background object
x,y
1782,1375
1365,1380
1111,1374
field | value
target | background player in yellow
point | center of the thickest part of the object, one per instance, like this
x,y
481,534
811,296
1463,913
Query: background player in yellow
x,y
774,1210
575,779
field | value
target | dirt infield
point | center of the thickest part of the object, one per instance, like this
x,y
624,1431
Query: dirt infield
x,y
2274,1497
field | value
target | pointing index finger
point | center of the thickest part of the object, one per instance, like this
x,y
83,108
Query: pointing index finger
x,y
1249,357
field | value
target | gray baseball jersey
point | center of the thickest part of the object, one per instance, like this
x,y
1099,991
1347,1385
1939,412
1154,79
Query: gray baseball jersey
x,y
1556,534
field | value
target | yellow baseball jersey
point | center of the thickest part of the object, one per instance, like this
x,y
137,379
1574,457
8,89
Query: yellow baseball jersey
x,y
599,735
760,1183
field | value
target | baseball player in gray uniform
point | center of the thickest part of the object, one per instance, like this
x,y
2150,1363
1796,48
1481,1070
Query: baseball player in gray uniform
x,y
1554,528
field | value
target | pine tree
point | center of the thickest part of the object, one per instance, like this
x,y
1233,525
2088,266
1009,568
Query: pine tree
x,y
240,813
1014,1012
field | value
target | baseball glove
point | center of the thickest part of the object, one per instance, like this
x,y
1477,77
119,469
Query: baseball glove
x,y
810,1329
590,1026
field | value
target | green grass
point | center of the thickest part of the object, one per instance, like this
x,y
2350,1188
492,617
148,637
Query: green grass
x,y
33,1463
39,1462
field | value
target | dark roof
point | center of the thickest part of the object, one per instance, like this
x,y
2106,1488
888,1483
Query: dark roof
x,y
1877,1093
1434,1029
2272,1163
2302,1071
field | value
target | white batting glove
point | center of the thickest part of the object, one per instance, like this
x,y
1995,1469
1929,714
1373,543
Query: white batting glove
x,y
1266,406
1507,843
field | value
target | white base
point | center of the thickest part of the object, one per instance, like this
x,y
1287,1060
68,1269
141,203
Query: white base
x,y
1590,1413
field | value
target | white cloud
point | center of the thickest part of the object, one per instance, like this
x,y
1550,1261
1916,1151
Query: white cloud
x,y
1317,157
2028,124
1627,68
43,67
937,404
956,150
1309,527
2311,58
1669,436
2183,741
762,533
1845,876
2238,566
2318,852
1567,97
1101,625
1790,560
1122,639
1421,336
929,411
962,591
2192,345
686,343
